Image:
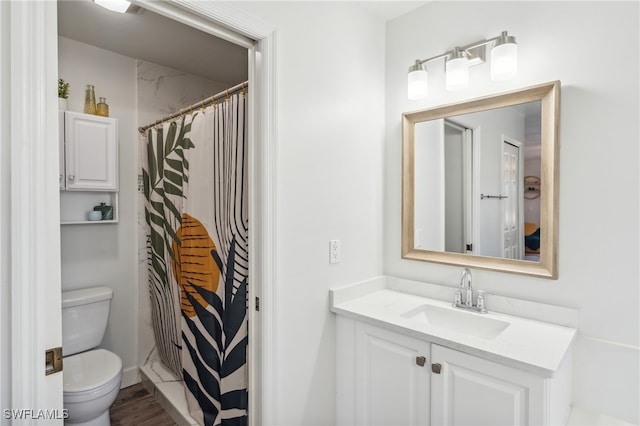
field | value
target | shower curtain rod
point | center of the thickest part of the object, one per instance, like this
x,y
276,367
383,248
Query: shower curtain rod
x,y
200,104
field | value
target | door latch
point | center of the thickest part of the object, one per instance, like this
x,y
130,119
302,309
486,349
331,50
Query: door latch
x,y
53,360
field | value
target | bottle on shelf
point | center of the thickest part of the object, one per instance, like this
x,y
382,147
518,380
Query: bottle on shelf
x,y
90,100
102,107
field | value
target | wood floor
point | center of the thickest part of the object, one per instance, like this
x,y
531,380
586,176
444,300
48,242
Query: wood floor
x,y
134,406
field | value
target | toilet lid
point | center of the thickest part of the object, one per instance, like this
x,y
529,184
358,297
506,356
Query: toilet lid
x,y
89,370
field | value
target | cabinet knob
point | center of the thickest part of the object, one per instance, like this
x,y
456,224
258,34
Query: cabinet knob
x,y
420,360
436,368
72,177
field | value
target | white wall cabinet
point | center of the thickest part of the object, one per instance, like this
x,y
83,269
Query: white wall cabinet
x,y
388,385
88,165
90,152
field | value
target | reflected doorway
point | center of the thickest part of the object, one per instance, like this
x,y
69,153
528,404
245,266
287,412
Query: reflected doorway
x,y
458,183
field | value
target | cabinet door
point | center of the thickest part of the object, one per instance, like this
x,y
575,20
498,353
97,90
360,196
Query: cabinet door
x,y
391,388
473,391
91,144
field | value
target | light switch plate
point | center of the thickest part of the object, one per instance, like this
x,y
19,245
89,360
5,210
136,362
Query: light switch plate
x,y
334,251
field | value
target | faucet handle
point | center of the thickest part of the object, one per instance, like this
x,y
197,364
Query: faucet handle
x,y
480,302
457,300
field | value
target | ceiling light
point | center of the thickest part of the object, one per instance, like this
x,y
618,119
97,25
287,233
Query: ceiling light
x,y
504,64
120,6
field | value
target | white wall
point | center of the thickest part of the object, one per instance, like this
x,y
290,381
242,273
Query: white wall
x,y
105,254
599,180
429,185
330,133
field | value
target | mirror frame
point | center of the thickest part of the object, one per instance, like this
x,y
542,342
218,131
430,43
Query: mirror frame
x,y
549,95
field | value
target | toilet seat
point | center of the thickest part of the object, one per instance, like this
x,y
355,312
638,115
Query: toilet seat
x,y
91,372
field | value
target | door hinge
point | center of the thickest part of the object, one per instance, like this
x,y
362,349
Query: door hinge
x,y
257,303
469,247
53,360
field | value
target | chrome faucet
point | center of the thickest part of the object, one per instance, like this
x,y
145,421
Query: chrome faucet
x,y
465,284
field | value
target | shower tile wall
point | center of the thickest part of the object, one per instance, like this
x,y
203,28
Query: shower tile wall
x,y
161,91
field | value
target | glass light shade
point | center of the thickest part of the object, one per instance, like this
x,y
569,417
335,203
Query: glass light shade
x,y
504,61
417,84
457,74
120,6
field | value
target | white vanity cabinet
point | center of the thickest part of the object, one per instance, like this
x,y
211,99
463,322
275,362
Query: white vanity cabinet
x,y
469,390
406,356
90,146
391,378
88,156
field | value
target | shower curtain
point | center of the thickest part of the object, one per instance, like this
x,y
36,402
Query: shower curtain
x,y
195,183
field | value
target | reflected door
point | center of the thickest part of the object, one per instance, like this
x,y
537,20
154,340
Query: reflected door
x,y
513,240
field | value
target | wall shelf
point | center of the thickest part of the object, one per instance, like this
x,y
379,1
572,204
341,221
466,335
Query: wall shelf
x,y
75,206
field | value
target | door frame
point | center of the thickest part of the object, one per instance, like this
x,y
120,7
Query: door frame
x,y
34,246
468,182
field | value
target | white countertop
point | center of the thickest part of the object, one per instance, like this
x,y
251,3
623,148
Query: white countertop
x,y
530,345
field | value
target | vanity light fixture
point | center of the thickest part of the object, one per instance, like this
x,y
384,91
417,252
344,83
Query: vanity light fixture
x,y
504,65
121,6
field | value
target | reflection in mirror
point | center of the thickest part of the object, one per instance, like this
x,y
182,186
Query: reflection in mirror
x,y
473,192
449,177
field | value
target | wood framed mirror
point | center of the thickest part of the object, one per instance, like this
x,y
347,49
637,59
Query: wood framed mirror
x,y
463,182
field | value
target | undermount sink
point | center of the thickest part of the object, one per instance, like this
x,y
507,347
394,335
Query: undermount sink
x,y
458,320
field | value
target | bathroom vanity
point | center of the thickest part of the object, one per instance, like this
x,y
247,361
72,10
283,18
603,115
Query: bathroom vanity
x,y
406,356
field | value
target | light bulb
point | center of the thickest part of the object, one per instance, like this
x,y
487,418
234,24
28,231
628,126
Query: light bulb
x,y
504,58
417,82
457,73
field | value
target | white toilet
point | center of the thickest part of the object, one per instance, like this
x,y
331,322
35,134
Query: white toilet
x,y
91,378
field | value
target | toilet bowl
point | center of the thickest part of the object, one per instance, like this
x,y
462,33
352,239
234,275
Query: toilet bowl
x,y
91,378
91,384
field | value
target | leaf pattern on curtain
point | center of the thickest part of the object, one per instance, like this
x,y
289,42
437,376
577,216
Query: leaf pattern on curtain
x,y
165,177
214,237
216,344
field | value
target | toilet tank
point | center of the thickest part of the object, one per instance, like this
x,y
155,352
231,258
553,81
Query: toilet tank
x,y
85,313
